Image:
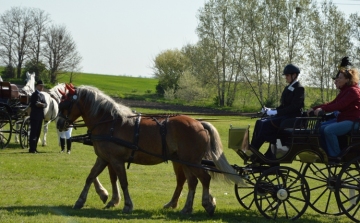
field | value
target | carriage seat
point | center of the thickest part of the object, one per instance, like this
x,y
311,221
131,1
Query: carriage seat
x,y
302,139
303,127
8,90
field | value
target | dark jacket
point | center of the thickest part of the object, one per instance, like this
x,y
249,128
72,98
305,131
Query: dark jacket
x,y
347,102
37,112
292,101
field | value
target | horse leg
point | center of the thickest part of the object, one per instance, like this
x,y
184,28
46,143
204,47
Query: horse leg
x,y
208,202
98,167
17,127
120,170
192,183
116,194
180,181
45,133
101,191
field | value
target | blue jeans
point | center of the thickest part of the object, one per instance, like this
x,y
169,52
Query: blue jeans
x,y
329,133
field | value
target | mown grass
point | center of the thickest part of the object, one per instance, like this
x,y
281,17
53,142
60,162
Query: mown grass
x,y
43,187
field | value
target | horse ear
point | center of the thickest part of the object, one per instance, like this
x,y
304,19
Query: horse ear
x,y
71,90
61,92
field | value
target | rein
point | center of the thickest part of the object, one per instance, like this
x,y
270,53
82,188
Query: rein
x,y
87,140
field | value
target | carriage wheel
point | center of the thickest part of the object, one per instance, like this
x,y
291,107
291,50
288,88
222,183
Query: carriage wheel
x,y
348,189
322,182
5,129
245,195
24,133
281,192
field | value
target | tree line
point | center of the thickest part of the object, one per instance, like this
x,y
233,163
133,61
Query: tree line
x,y
251,42
29,41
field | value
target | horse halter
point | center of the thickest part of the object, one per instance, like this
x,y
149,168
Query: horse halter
x,y
67,103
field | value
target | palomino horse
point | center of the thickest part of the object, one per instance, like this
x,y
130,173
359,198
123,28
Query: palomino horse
x,y
119,137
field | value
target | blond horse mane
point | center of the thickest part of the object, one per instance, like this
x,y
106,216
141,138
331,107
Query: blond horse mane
x,y
99,102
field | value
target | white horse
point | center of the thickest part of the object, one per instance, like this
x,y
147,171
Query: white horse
x,y
51,111
29,87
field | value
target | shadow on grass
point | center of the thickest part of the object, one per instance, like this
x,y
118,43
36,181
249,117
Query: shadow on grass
x,y
243,216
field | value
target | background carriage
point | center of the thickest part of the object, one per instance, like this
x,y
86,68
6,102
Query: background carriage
x,y
14,119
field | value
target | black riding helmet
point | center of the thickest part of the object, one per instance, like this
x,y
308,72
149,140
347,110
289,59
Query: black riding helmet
x,y
291,69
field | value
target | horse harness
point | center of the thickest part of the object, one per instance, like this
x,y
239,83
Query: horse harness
x,y
134,145
88,139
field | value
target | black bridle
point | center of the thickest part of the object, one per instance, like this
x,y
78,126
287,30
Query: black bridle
x,y
68,104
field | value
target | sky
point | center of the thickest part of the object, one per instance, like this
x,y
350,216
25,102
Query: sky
x,y
123,37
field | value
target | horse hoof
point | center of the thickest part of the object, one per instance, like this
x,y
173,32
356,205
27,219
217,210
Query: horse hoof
x,y
110,205
104,198
186,211
78,206
170,205
211,210
127,210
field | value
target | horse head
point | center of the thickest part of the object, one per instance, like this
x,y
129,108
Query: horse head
x,y
66,114
29,87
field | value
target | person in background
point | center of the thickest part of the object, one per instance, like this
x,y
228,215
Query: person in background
x,y
291,105
37,105
65,136
347,103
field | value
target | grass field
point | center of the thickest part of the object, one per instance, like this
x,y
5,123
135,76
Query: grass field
x,y
43,187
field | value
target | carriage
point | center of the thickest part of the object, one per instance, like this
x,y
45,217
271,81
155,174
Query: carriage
x,y
328,186
280,187
13,117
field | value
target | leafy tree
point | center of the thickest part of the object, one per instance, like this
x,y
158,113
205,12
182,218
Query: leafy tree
x,y
35,67
41,20
190,88
168,67
216,32
60,52
330,43
25,38
354,20
8,72
17,24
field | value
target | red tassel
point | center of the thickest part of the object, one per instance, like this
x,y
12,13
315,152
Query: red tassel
x,y
71,90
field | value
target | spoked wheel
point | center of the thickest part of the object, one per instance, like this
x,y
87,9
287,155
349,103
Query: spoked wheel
x,y
281,192
245,195
348,189
322,182
25,133
5,129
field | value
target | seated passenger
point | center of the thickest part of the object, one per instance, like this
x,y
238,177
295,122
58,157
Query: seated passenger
x,y
347,102
291,105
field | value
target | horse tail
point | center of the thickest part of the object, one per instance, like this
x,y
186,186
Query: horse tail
x,y
217,154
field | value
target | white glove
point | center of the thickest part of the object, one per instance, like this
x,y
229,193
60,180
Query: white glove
x,y
264,110
271,112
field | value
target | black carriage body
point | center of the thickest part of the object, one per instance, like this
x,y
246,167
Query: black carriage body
x,y
329,186
13,119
